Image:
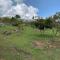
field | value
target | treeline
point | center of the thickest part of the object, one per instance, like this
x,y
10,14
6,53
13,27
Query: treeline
x,y
50,22
39,23
15,21
46,23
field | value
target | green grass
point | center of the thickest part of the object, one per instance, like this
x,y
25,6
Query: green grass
x,y
23,40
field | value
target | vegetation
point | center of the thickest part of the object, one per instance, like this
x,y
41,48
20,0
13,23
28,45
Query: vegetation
x,y
35,40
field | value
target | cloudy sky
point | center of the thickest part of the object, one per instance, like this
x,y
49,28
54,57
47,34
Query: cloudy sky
x,y
13,7
29,8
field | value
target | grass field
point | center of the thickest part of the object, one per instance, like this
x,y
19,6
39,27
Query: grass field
x,y
29,44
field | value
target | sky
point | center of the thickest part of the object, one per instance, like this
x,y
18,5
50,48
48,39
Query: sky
x,y
46,7
29,8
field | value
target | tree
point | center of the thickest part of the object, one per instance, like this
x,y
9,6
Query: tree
x,y
39,23
17,16
33,17
48,23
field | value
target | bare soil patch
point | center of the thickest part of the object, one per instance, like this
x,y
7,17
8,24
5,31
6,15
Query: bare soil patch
x,y
54,44
39,44
45,44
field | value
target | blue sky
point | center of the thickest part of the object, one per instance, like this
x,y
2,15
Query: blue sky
x,y
28,8
46,7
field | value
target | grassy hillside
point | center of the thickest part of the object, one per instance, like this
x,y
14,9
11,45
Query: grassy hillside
x,y
29,44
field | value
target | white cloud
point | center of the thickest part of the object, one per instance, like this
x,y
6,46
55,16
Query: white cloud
x,y
5,5
26,12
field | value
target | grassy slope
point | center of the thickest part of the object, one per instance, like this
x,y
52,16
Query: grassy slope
x,y
24,39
